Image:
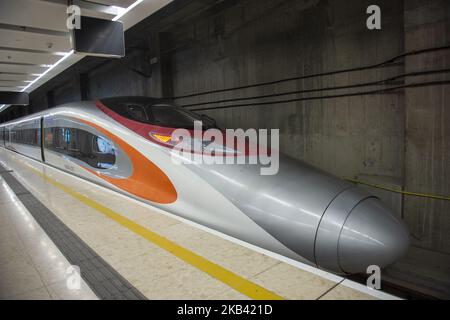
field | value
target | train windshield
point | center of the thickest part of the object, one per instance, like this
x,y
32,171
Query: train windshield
x,y
157,112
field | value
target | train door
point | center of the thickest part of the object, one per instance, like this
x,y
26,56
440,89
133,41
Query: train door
x,y
7,136
42,137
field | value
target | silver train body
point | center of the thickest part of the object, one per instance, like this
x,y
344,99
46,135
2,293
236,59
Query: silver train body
x,y
301,212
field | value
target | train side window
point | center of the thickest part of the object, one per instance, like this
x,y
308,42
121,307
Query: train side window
x,y
72,140
49,137
102,146
59,138
98,152
38,136
67,135
104,153
27,136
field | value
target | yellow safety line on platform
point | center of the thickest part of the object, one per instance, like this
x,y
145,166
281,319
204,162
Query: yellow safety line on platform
x,y
231,279
408,193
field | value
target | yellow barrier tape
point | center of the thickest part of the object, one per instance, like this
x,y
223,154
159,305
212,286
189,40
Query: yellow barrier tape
x,y
408,193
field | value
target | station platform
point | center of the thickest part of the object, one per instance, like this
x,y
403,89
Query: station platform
x,y
126,249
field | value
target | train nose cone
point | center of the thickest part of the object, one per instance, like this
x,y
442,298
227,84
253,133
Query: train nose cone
x,y
357,231
371,235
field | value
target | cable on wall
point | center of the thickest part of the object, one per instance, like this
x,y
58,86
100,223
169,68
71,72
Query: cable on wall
x,y
388,62
388,81
362,93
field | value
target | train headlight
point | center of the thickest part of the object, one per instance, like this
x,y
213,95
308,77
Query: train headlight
x,y
194,145
161,138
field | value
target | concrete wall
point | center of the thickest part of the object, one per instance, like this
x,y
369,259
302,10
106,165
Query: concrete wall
x,y
67,92
257,41
116,79
427,157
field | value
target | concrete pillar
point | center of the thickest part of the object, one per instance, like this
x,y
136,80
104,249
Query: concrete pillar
x,y
84,86
50,99
427,136
160,84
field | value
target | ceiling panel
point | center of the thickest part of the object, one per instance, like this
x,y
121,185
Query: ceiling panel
x,y
34,14
118,3
16,77
48,15
33,41
12,83
33,33
88,8
91,9
27,57
6,88
17,68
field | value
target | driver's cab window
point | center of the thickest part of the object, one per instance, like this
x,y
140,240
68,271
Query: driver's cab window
x,y
137,112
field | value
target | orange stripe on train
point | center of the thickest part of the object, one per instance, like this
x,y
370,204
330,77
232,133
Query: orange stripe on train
x,y
147,180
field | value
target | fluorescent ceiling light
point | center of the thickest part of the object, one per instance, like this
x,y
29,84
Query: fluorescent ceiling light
x,y
48,70
124,12
58,53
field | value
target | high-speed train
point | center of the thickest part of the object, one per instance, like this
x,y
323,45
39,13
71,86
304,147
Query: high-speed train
x,y
301,212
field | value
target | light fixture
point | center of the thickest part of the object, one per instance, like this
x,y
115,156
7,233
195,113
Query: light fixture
x,y
49,69
68,54
124,12
58,53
